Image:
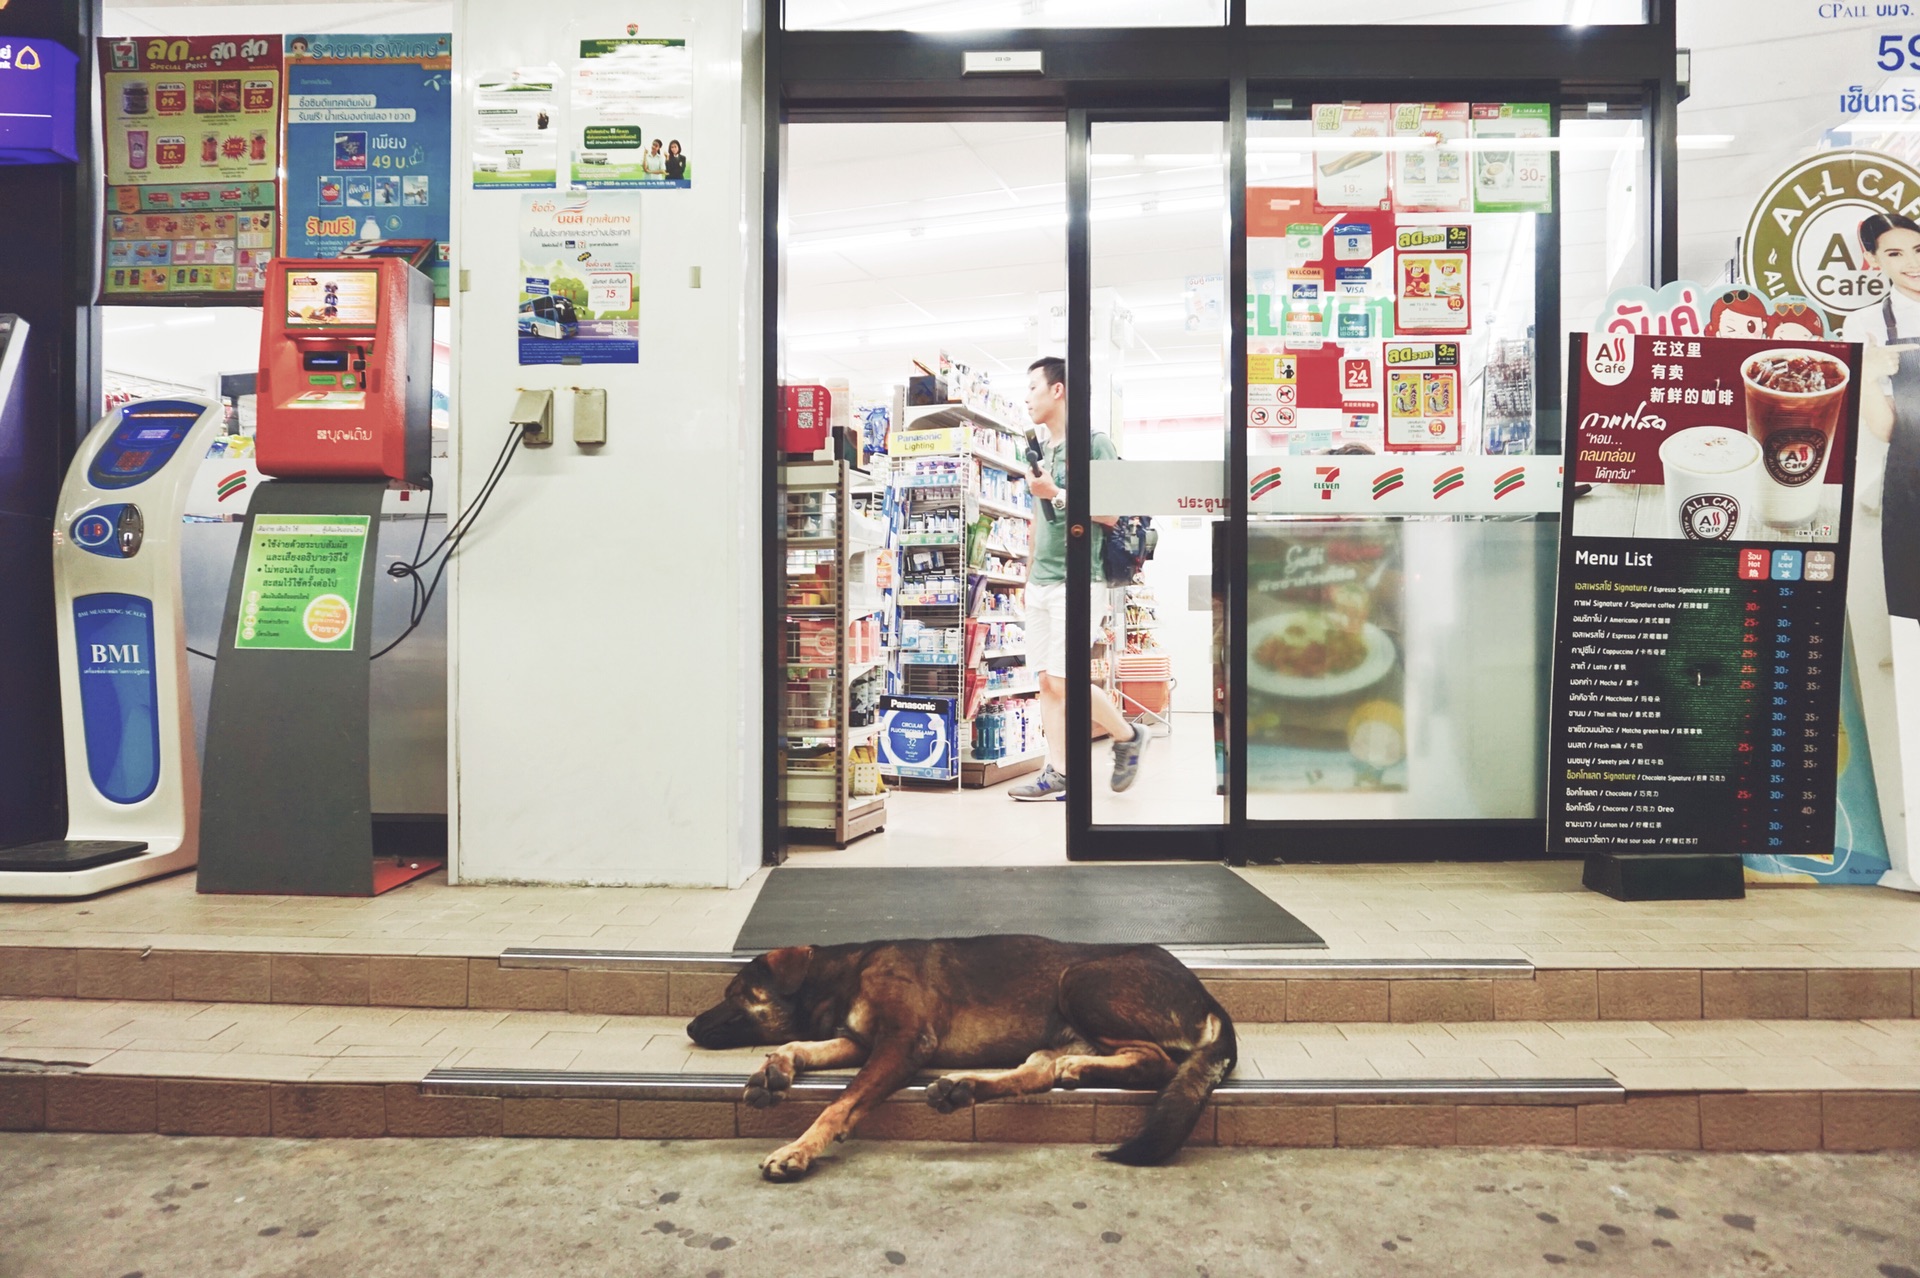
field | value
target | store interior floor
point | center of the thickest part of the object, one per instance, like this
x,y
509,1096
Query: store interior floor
x,y
948,826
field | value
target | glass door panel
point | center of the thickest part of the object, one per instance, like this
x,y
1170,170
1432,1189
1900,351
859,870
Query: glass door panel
x,y
1157,355
1406,261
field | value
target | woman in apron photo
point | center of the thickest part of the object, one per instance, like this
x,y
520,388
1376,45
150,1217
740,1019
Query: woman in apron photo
x,y
1891,362
1888,483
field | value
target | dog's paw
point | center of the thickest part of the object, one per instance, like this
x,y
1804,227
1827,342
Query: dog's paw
x,y
789,1162
769,1084
948,1094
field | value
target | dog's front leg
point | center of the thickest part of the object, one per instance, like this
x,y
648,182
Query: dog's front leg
x,y
769,1084
891,1064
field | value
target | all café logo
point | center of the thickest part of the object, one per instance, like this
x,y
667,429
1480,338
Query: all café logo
x,y
1804,235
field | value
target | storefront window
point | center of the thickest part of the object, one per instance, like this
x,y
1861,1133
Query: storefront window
x,y
1405,321
1576,13
997,15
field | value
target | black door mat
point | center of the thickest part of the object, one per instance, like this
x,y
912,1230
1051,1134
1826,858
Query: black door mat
x,y
1202,906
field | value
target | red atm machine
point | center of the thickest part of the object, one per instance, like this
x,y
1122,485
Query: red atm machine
x,y
345,412
346,363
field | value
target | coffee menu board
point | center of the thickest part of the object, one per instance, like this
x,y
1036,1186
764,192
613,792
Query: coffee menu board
x,y
192,137
1699,626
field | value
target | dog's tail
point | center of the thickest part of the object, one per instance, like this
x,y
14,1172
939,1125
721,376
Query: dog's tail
x,y
1178,1106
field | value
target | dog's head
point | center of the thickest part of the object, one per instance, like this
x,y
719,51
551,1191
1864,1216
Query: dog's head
x,y
760,1005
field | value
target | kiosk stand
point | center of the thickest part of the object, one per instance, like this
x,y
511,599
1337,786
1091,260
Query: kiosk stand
x,y
133,783
344,400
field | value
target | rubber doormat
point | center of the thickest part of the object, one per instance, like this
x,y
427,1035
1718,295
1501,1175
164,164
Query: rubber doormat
x,y
1202,906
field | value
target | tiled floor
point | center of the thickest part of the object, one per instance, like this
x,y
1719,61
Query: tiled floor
x,y
1530,910
296,1044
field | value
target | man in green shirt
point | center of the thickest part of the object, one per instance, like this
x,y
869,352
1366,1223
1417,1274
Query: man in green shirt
x,y
1046,599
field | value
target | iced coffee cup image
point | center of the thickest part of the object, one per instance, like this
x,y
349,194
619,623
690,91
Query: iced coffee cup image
x,y
1713,479
1794,401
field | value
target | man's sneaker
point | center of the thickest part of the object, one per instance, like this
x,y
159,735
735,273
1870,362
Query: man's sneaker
x,y
1126,758
1049,786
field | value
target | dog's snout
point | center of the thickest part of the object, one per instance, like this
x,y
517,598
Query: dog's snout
x,y
718,1026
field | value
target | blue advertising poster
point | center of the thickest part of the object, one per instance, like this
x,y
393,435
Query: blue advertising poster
x,y
369,153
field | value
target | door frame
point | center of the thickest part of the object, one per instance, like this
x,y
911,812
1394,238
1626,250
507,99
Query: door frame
x,y
1160,73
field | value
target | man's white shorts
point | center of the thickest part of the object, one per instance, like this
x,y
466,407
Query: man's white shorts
x,y
1046,625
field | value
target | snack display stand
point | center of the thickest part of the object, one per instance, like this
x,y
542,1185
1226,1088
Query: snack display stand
x,y
830,781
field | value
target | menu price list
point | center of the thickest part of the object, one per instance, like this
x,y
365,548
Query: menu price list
x,y
1698,699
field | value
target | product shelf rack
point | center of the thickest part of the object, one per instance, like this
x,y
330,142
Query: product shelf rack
x,y
831,593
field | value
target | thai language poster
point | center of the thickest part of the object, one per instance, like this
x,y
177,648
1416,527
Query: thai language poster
x,y
632,106
579,299
369,151
191,128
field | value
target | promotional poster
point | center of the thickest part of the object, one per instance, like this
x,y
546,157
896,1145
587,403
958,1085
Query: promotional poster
x,y
580,278
1701,611
191,128
632,107
369,149
515,130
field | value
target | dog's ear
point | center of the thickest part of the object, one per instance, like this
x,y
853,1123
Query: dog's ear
x,y
789,966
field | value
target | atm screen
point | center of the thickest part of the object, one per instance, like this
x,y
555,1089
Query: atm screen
x,y
332,299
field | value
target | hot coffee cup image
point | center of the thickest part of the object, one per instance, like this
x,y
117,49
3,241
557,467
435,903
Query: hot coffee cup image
x,y
1712,483
1794,400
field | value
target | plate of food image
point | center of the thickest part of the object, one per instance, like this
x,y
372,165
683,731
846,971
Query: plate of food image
x,y
1309,654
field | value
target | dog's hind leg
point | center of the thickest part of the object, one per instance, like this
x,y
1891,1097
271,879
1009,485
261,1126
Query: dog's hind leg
x,y
770,1082
1145,1066
892,1062
1036,1074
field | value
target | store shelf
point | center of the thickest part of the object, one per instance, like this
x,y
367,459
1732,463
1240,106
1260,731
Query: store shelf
x,y
1022,690
1003,508
931,482
1012,465
978,775
1000,579
822,740
997,548
929,539
934,416
929,658
994,654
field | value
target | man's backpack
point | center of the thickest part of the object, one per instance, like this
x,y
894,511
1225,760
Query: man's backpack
x,y
1128,545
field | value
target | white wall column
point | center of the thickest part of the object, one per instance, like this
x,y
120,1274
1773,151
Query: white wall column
x,y
604,621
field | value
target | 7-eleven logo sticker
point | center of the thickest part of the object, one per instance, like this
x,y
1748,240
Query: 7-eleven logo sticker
x,y
1328,483
1388,480
1511,481
1450,480
1264,482
234,483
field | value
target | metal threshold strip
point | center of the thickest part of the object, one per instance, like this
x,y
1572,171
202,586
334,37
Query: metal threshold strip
x,y
1209,963
727,1087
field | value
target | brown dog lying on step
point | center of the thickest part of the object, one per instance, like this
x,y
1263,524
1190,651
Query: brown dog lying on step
x,y
1017,1013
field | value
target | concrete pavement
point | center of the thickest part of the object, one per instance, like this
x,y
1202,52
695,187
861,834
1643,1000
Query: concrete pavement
x,y
157,1207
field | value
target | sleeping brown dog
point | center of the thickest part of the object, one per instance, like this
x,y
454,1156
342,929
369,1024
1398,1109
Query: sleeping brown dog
x,y
1016,1014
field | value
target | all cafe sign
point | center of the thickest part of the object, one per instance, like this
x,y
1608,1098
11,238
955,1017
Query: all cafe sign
x,y
1804,235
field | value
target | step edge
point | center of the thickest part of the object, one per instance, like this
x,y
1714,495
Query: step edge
x,y
456,1081
1201,963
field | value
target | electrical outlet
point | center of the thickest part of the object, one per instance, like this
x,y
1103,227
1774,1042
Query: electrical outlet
x,y
589,416
533,414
